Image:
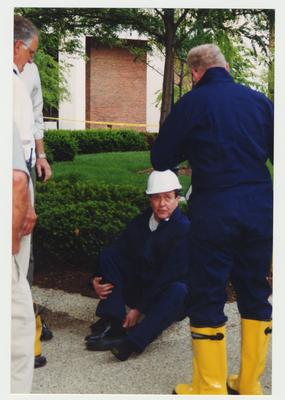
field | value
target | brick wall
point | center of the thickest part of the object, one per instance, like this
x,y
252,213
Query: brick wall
x,y
115,85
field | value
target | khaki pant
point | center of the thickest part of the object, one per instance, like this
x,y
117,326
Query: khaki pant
x,y
23,324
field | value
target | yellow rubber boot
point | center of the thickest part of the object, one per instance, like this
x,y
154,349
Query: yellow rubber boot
x,y
38,345
254,348
209,362
186,388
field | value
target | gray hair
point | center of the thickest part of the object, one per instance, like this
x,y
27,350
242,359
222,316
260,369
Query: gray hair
x,y
206,56
24,29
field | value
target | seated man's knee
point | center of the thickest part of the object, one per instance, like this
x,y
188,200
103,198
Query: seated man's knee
x,y
107,258
106,253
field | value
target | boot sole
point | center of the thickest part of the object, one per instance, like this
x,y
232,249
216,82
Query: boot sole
x,y
97,345
232,391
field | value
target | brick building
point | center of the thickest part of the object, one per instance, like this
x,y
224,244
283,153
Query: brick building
x,y
115,85
112,87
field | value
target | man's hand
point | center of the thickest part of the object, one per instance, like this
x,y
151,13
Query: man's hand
x,y
43,169
30,221
102,289
131,318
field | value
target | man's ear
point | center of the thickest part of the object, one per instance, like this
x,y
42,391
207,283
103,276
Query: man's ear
x,y
17,46
194,73
227,67
197,74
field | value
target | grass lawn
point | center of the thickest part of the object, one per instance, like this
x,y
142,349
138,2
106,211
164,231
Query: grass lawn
x,y
115,168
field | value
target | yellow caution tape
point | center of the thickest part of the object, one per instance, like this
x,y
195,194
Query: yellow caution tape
x,y
101,122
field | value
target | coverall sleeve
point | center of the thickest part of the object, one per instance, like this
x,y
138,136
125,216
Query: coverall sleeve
x,y
169,148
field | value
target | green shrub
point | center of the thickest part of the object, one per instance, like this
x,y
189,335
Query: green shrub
x,y
49,153
103,140
76,232
150,138
76,219
63,147
72,191
107,140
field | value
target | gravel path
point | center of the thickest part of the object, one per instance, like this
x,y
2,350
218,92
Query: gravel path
x,y
73,369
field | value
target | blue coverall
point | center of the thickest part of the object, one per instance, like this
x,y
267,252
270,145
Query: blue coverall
x,y
225,131
149,271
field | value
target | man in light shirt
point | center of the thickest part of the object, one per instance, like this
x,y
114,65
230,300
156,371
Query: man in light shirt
x,y
26,39
41,169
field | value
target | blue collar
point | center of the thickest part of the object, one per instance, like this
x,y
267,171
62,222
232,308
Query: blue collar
x,y
215,74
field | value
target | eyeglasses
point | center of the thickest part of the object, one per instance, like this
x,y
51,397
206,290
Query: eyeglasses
x,y
31,51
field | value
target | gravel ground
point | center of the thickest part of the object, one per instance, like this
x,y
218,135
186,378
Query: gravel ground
x,y
73,369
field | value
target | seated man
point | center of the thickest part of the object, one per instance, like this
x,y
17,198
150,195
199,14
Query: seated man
x,y
147,270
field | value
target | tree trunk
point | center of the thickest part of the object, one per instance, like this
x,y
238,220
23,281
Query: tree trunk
x,y
169,65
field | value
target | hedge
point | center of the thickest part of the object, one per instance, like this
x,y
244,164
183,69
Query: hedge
x,y
107,140
76,219
49,153
64,144
62,147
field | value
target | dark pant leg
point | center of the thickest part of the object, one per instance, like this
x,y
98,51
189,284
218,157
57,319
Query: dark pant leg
x,y
210,267
254,253
249,279
115,269
213,232
166,308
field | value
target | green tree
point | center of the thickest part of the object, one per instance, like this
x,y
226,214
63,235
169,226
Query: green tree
x,y
173,31
60,30
52,79
262,37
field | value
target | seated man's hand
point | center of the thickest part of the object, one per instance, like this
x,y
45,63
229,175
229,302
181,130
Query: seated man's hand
x,y
102,289
131,318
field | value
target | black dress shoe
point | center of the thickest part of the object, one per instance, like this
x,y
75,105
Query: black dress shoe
x,y
40,361
99,326
123,350
100,329
106,328
46,332
104,343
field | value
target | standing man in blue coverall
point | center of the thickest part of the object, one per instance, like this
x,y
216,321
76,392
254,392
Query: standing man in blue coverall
x,y
225,131
146,269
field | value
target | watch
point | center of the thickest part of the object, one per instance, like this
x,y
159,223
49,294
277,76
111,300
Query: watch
x,y
41,155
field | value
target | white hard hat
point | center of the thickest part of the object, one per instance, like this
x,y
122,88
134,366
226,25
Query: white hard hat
x,y
162,181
